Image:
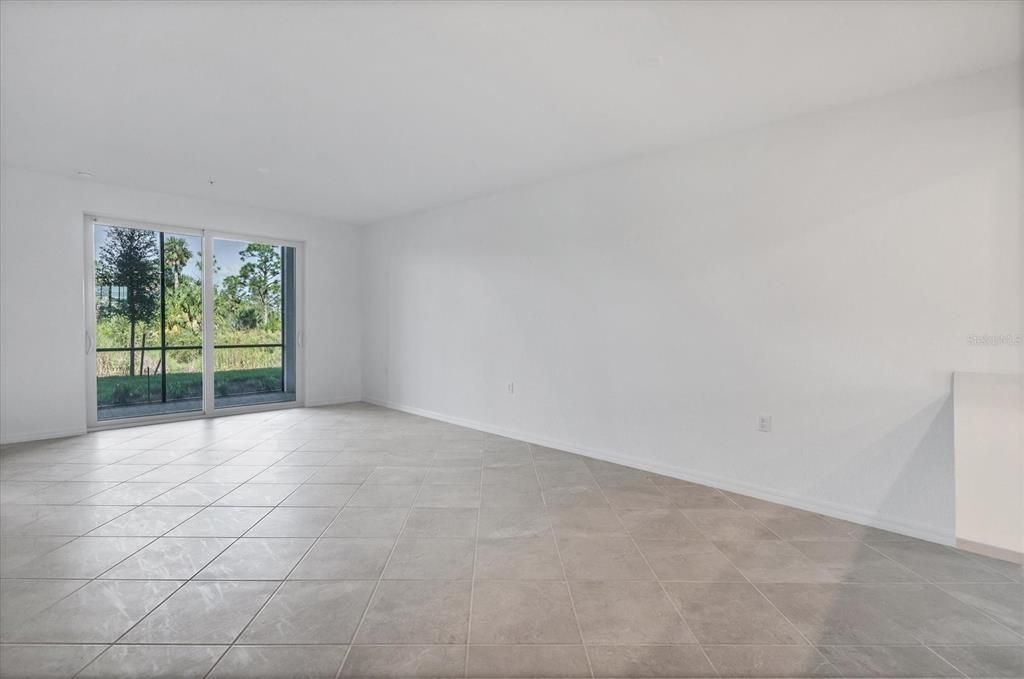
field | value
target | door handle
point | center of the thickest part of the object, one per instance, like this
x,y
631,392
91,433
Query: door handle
x,y
88,342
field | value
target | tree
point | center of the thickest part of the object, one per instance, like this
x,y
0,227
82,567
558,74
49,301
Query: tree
x,y
176,258
130,258
261,276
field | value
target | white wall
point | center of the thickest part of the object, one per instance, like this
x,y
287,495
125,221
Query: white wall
x,y
988,417
827,270
42,359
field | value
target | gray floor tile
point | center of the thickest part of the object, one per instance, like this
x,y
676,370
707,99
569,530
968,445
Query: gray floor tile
x,y
310,613
383,496
16,551
647,496
397,476
506,612
405,661
650,661
98,612
603,559
728,524
153,662
21,600
628,613
508,475
456,475
345,475
280,662
194,494
220,522
518,559
1008,569
1002,601
484,505
71,492
257,495
887,661
417,612
257,559
513,522
449,495
658,524
309,458
585,522
731,613
548,660
129,494
575,496
774,561
854,562
938,563
169,559
69,521
688,560
698,497
839,614
173,473
368,522
442,522
431,559
769,661
81,558
280,473
805,527
45,662
202,613
985,661
511,496
293,522
321,495
560,478
148,521
344,559
935,617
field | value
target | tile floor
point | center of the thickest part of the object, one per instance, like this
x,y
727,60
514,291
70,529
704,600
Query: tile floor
x,y
360,542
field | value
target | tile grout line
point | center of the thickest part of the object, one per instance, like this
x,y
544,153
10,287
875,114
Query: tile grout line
x,y
657,579
476,552
164,599
380,578
939,586
281,583
771,603
561,562
873,548
183,582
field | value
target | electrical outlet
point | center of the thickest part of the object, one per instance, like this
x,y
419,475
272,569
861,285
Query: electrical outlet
x,y
512,387
764,423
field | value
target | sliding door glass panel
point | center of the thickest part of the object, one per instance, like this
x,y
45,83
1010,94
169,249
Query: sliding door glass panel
x,y
149,300
254,323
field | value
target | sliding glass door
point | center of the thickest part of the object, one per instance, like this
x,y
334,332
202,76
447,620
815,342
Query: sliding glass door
x,y
169,335
254,323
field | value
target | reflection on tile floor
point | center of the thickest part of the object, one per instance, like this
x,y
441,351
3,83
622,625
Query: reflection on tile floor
x,y
356,541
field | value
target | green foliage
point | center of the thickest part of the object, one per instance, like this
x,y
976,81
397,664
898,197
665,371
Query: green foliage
x,y
247,308
176,258
119,391
129,262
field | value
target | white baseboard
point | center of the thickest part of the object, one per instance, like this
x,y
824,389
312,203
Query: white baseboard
x,y
832,509
990,551
25,437
331,402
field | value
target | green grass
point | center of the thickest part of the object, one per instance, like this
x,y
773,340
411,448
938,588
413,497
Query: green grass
x,y
122,390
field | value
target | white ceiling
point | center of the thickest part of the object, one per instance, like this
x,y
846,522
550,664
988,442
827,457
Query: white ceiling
x,y
361,111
